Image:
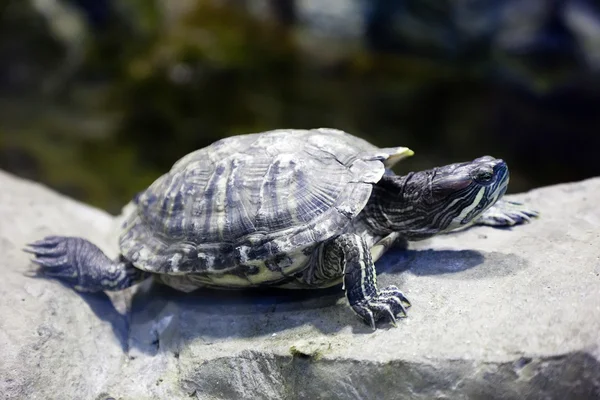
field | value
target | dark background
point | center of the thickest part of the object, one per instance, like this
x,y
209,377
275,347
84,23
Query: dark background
x,y
100,97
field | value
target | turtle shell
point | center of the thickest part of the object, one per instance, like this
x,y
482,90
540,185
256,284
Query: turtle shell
x,y
247,200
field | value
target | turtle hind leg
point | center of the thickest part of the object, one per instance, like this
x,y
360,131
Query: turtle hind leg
x,y
506,213
82,265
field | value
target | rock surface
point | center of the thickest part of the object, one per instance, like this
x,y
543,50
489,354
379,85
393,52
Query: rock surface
x,y
506,314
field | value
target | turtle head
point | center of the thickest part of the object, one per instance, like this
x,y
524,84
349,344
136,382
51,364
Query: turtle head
x,y
423,204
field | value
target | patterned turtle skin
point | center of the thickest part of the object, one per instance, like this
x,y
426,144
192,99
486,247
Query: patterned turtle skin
x,y
287,208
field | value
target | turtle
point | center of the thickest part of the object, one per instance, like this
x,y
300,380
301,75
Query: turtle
x,y
288,208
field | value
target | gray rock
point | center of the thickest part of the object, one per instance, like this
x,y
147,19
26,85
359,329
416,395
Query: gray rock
x,y
506,314
54,342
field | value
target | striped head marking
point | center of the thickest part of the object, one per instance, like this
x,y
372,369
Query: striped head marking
x,y
442,199
479,183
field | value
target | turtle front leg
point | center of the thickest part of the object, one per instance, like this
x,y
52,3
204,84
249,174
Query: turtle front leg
x,y
81,264
506,213
350,254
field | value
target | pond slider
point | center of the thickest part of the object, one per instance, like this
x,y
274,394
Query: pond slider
x,y
287,208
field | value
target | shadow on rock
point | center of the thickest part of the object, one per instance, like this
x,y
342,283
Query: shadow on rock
x,y
164,319
458,264
103,307
429,262
162,316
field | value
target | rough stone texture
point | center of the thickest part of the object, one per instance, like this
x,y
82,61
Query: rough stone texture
x,y
506,314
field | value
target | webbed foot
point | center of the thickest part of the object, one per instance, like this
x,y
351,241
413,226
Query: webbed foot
x,y
55,256
506,213
388,303
81,264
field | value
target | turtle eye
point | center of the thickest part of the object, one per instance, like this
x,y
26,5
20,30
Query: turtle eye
x,y
484,175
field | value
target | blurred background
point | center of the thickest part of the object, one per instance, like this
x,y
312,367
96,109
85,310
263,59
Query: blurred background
x,y
100,97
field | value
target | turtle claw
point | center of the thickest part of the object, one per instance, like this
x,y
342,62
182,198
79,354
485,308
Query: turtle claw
x,y
81,264
51,254
392,317
507,213
395,293
389,303
48,241
45,250
371,319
